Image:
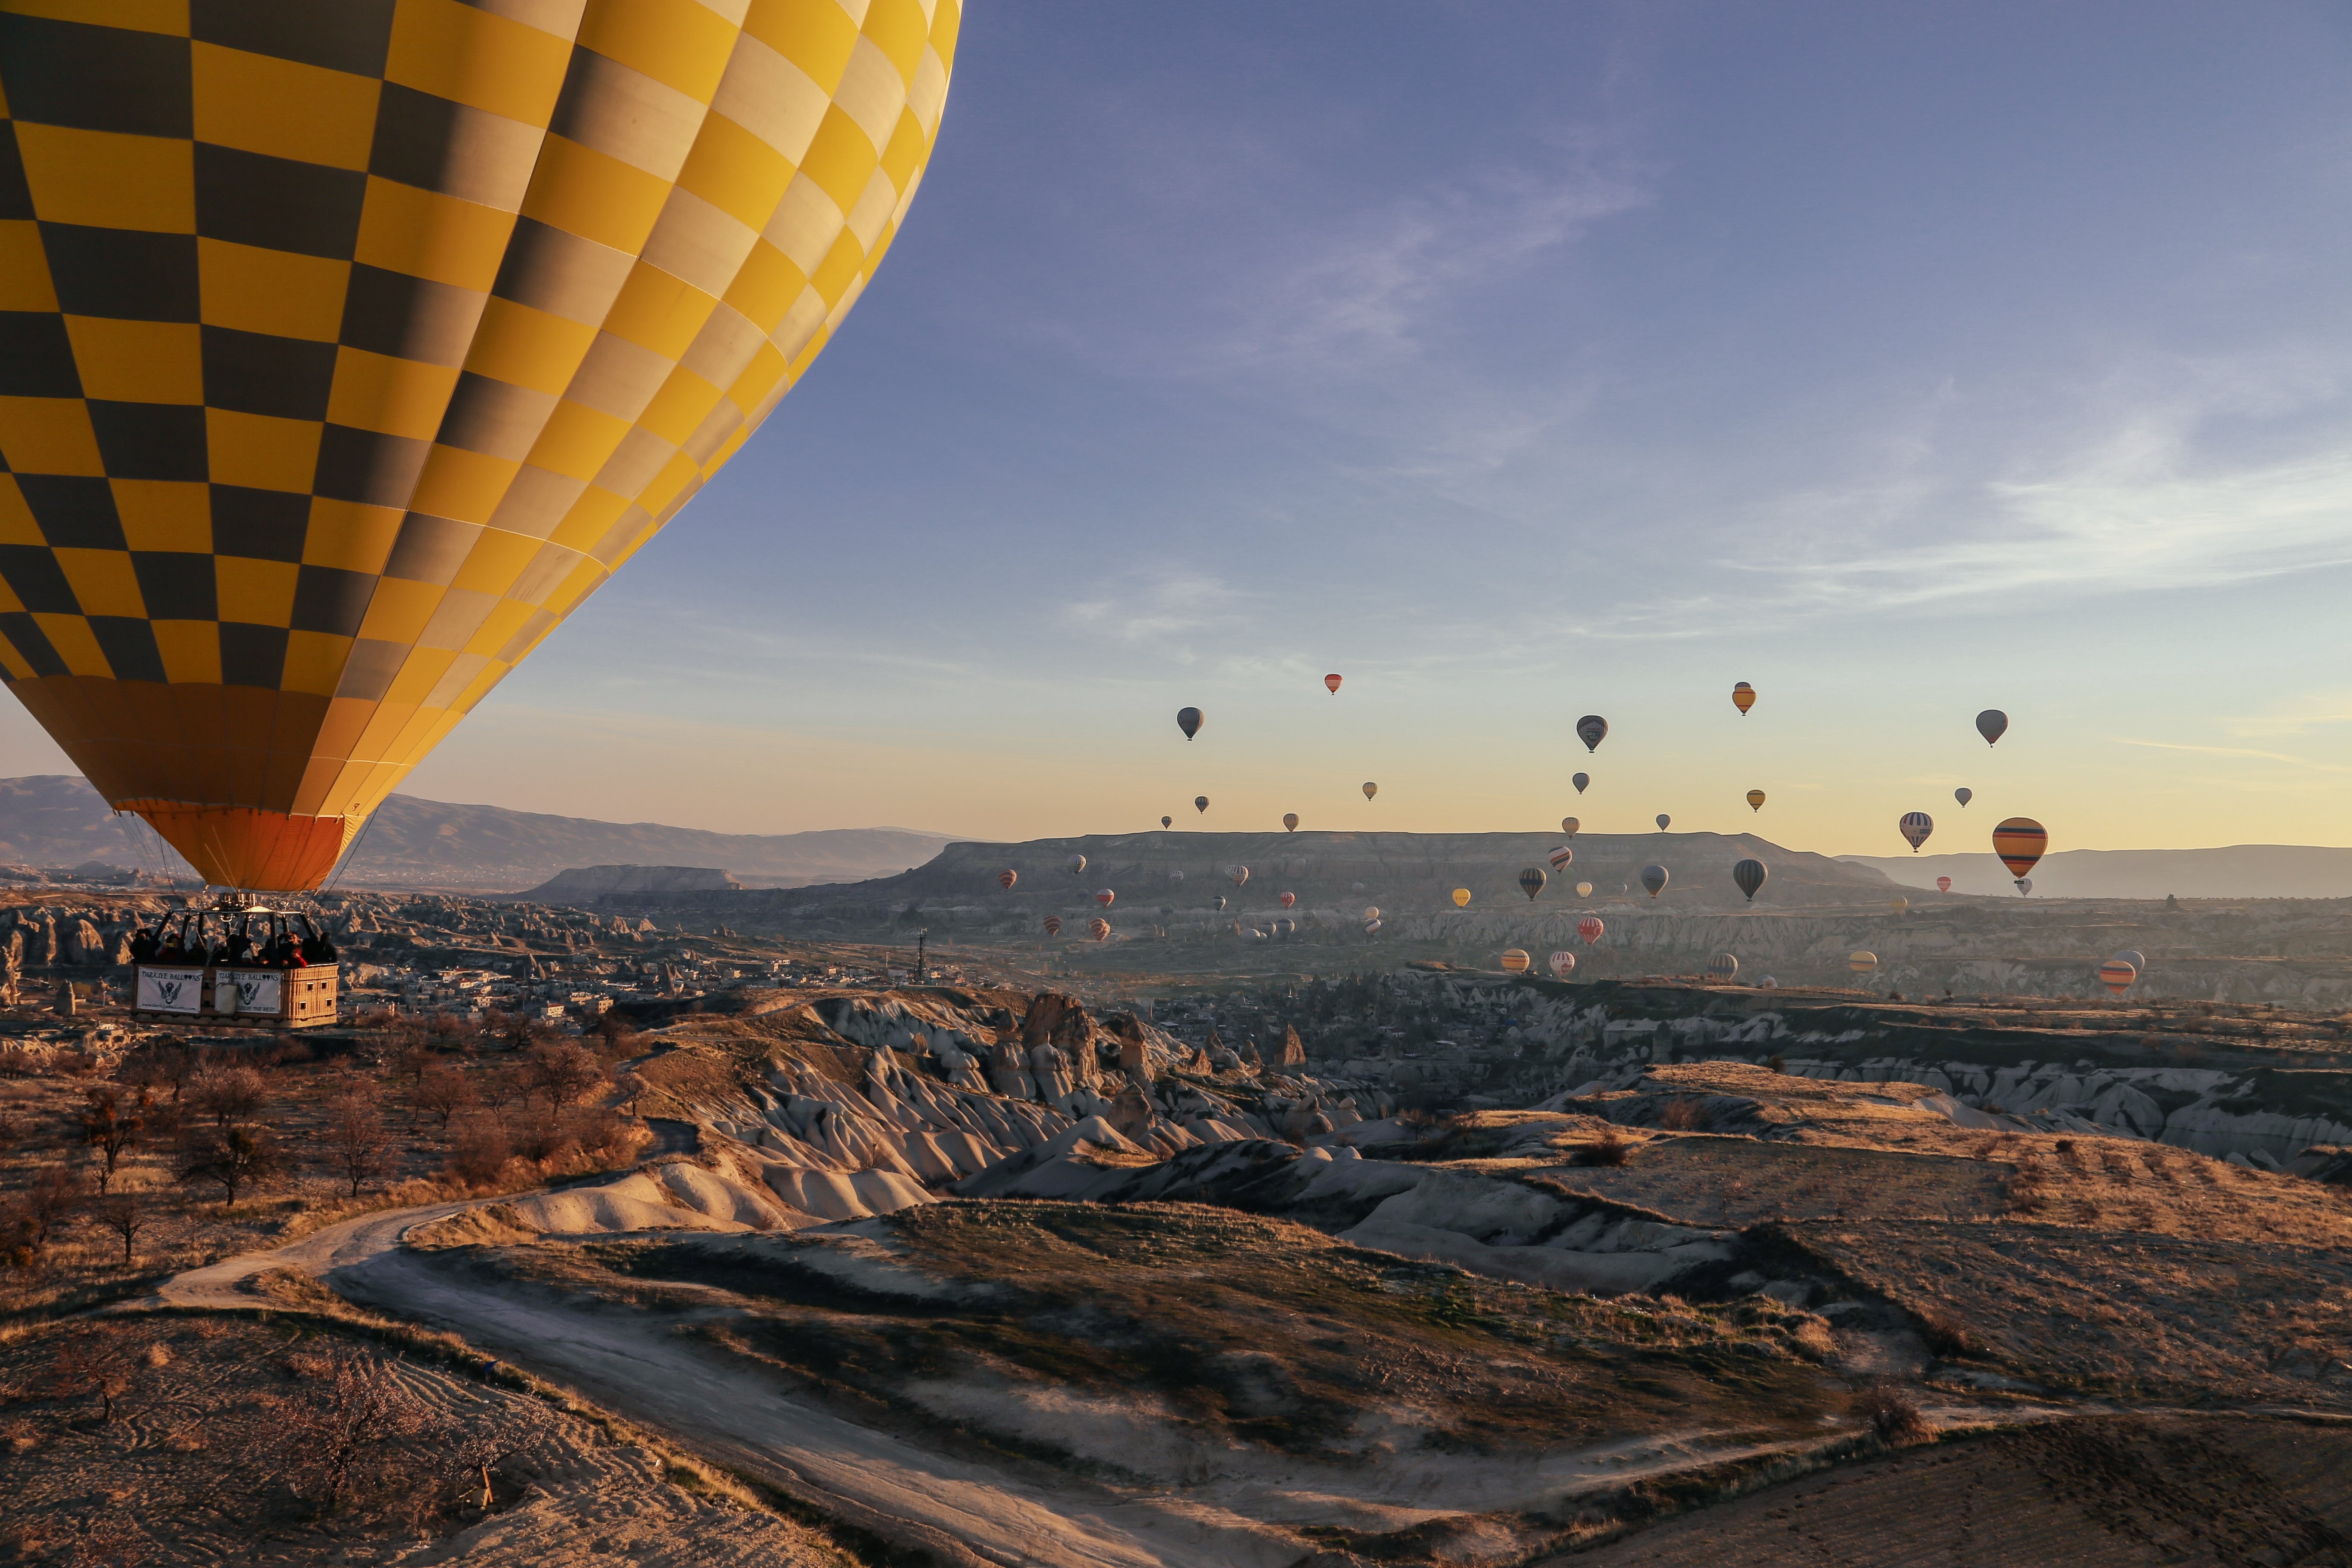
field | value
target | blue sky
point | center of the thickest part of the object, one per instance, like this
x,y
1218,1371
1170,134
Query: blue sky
x,y
1521,361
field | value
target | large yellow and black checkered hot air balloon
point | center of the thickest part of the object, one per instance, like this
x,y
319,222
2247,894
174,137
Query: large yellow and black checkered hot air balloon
x,y
348,345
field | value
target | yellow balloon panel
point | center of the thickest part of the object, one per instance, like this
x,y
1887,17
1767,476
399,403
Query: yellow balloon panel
x,y
344,350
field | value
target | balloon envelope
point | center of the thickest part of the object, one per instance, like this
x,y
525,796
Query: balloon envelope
x,y
2024,885
1898,905
1167,822
1749,876
1654,877
1371,928
1584,889
1053,925
1579,780
1288,899
2138,960
1331,684
1531,880
1372,913
1077,864
1992,723
1201,803
1743,697
1592,730
257,568
1589,927
1516,960
1189,721
1563,964
1239,874
1008,877
1290,821
1664,822
1755,800
1370,789
1561,856
1915,826
1461,898
1221,901
1104,896
1569,825
2116,975
1861,962
2020,841
1722,967
1964,795
1098,929
1943,884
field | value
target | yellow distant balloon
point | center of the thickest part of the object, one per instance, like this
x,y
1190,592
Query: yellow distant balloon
x,y
1861,962
349,358
1516,960
1461,898
1584,889
1899,905
1755,800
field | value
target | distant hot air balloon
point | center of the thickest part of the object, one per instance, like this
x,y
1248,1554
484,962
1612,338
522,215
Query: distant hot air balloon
x,y
2116,975
1721,968
1898,905
1285,928
1755,800
1371,928
1915,826
1569,825
1531,881
1561,856
1767,984
1743,697
1331,684
1461,898
1053,925
1579,780
1964,795
255,569
1654,877
1077,864
1516,960
1563,964
1749,877
1992,723
1861,962
2024,886
2138,961
1589,927
1592,729
1201,803
1104,896
1098,929
1664,822
1290,821
1371,911
1221,901
1167,822
1584,889
2020,841
1943,884
1239,874
1007,878
1189,721
1286,899
1370,789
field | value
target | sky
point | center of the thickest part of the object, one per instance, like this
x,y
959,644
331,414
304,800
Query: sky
x,y
1519,362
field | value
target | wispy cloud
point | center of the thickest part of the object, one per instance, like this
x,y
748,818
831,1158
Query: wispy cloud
x,y
2236,752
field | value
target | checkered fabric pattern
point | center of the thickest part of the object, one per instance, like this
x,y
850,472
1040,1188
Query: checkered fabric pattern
x,y
347,345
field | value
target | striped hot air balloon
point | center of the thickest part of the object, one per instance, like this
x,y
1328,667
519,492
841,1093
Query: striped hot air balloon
x,y
1006,878
1288,899
1516,960
1861,962
1370,789
1915,826
1239,874
1561,856
1053,925
2020,841
352,346
1105,897
1098,929
1755,800
1722,968
1531,881
2118,973
1563,964
1749,876
1290,821
1898,905
1743,697
1591,929
1331,684
1371,928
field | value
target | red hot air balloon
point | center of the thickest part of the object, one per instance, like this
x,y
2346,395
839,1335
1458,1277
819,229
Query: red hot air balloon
x,y
1943,884
1288,899
1743,697
1915,826
1105,897
1053,925
1589,927
1189,721
1331,682
2020,841
1007,878
1563,964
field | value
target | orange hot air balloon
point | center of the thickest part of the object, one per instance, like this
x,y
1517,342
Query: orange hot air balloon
x,y
1098,929
1516,960
1461,898
1286,899
2020,841
2118,973
1053,925
1331,682
1743,697
349,358
1007,878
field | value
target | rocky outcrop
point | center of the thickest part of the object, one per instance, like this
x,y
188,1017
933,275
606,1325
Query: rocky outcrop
x,y
586,884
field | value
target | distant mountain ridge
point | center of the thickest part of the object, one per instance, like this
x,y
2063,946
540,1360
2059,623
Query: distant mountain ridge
x,y
2236,871
59,820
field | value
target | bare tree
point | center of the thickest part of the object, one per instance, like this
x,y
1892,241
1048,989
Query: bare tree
x,y
443,1093
235,1157
113,1123
95,1360
126,1213
53,1196
355,1142
564,1071
322,1439
227,1094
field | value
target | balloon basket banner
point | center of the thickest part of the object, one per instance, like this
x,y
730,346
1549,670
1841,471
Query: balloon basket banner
x,y
306,998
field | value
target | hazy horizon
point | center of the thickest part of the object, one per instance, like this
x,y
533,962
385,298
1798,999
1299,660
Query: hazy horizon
x,y
1521,362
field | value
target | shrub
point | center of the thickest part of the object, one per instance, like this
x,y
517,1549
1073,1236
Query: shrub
x,y
480,1152
1946,1335
1893,1414
235,1157
1683,1113
227,1094
1611,1147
